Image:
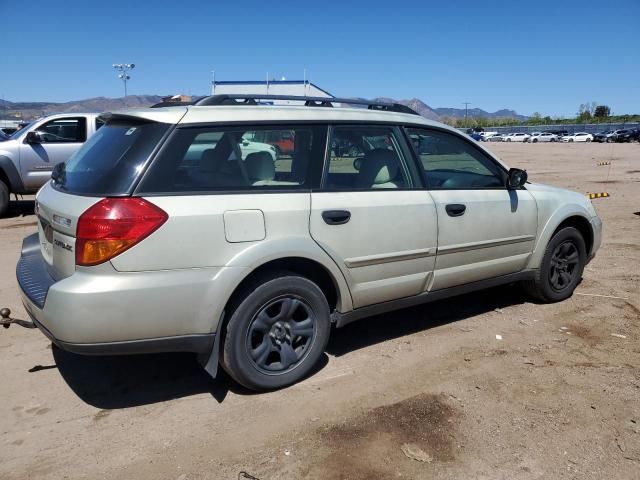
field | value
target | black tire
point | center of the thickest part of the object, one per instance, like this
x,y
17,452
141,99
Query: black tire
x,y
609,140
4,198
535,140
559,275
260,352
588,140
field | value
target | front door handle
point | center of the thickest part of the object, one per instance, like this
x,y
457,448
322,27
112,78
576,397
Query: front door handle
x,y
336,217
455,209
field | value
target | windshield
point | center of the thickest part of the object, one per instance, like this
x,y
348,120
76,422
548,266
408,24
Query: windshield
x,y
23,130
111,160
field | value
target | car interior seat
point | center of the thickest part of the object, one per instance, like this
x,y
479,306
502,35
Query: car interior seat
x,y
379,169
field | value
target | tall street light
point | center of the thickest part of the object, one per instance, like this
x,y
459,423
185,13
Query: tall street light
x,y
124,69
466,111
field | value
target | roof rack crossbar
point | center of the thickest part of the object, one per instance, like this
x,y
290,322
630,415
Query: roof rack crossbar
x,y
253,99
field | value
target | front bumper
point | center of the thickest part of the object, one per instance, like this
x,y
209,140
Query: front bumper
x,y
596,228
104,312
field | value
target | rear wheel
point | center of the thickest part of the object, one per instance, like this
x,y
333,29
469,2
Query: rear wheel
x,y
277,332
535,140
4,198
561,268
588,140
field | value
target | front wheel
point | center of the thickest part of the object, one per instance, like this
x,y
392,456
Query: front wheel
x,y
588,140
277,332
561,268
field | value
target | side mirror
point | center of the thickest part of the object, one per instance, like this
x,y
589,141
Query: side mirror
x,y
57,175
33,137
516,178
357,163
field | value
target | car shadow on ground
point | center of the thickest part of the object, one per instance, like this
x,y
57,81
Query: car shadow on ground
x,y
133,380
111,382
378,329
20,208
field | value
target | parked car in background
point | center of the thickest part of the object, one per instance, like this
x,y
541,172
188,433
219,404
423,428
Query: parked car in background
x,y
545,137
558,133
487,135
500,137
518,137
28,157
533,136
621,136
578,137
283,141
602,137
633,135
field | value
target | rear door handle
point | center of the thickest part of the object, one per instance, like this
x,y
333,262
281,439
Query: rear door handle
x,y
336,217
455,209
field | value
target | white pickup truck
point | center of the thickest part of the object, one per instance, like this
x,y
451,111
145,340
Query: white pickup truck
x,y
29,155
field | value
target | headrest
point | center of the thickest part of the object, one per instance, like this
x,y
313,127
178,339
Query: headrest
x,y
210,160
378,166
260,166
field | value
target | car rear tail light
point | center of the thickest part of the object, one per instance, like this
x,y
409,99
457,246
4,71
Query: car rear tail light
x,y
114,225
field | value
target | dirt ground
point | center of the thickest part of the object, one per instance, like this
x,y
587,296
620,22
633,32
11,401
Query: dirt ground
x,y
427,392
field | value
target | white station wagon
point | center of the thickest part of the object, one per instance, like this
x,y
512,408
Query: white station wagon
x,y
247,258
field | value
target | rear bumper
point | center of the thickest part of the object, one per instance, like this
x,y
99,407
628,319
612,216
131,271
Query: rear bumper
x,y
104,312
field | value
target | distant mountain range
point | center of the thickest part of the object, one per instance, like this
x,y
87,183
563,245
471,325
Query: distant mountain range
x,y
103,104
97,104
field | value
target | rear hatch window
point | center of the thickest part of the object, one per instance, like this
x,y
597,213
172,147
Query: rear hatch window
x,y
111,161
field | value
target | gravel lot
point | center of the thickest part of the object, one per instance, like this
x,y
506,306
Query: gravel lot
x,y
557,397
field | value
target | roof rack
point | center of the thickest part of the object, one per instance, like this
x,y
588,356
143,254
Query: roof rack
x,y
233,99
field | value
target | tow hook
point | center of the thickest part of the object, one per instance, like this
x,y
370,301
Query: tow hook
x,y
6,321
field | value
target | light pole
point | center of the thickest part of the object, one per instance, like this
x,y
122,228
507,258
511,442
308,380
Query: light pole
x,y
124,68
466,111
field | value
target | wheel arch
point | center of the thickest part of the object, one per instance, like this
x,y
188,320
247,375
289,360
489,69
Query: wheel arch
x,y
9,174
305,267
554,225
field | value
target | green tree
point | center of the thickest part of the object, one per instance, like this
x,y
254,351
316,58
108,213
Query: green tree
x,y
602,111
535,119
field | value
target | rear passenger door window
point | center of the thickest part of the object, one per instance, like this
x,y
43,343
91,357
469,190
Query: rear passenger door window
x,y
238,158
453,163
366,157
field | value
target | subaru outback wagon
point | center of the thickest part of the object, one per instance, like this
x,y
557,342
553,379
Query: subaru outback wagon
x,y
164,234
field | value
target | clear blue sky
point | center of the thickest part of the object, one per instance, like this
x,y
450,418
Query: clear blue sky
x,y
546,56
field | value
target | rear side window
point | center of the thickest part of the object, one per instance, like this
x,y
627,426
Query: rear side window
x,y
111,160
365,157
238,158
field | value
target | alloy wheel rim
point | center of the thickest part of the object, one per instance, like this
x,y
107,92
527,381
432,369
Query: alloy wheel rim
x,y
564,263
280,334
